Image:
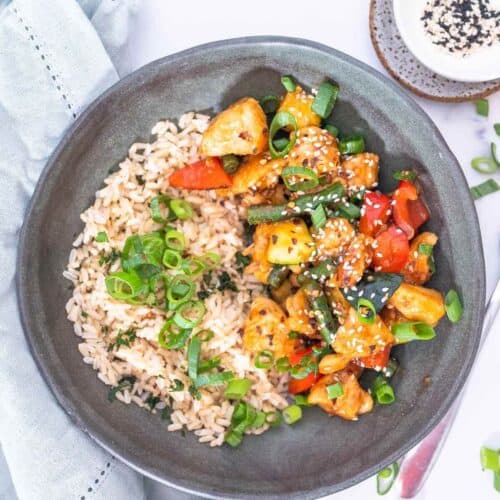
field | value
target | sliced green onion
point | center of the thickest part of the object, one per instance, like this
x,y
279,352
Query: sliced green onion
x,y
496,481
453,306
208,364
182,209
124,286
292,414
181,289
237,388
177,387
205,335
281,143
424,249
193,267
282,364
364,304
487,187
213,379
324,101
210,259
332,130
288,83
175,240
260,420
335,390
264,359
405,175
386,478
351,145
101,237
172,259
173,337
308,364
233,438
269,103
384,393
405,332
318,217
273,418
490,459
281,120
310,182
190,314
349,211
193,357
494,154
496,126
482,107
484,165
230,163
301,400
155,205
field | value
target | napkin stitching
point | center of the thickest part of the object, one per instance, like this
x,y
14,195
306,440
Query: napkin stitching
x,y
56,81
104,473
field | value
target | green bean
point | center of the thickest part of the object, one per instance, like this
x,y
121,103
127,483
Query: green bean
x,y
320,272
277,275
301,205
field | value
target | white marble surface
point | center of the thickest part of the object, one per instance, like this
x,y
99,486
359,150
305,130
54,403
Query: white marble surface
x,y
163,29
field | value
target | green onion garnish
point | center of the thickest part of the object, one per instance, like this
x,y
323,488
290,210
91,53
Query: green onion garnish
x,y
193,267
281,120
324,101
233,438
193,357
273,418
124,286
181,289
349,211
210,259
482,107
172,259
288,83
494,154
207,364
264,359
101,237
484,165
230,163
490,459
405,175
301,400
172,337
282,364
351,145
386,478
280,143
308,364
155,206
496,481
487,187
269,103
384,393
334,390
496,126
237,388
424,249
213,379
205,335
332,130
175,240
318,217
453,306
363,317
405,332
189,314
310,182
182,209
292,414
177,387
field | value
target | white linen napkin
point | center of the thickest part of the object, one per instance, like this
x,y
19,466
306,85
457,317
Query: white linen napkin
x,y
52,64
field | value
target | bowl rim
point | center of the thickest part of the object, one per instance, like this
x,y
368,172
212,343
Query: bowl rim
x,y
91,428
419,55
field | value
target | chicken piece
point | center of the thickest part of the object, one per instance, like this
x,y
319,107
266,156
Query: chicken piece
x,y
419,268
260,267
353,402
265,329
298,103
353,262
315,149
240,129
300,318
333,238
418,303
332,363
355,339
360,171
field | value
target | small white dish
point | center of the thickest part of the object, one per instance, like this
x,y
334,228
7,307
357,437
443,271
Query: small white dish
x,y
483,64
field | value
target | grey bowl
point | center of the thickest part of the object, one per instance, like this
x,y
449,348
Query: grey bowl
x,y
319,455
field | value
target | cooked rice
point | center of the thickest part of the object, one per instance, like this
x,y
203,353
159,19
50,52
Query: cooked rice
x,y
121,210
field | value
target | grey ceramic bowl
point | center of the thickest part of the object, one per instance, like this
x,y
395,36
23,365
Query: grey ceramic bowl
x,y
319,455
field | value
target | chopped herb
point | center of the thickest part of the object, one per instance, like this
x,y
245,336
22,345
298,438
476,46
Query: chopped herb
x,y
226,283
165,413
178,386
124,383
195,393
207,278
485,188
496,126
101,237
204,294
123,338
242,261
84,314
109,258
152,401
140,180
482,107
105,329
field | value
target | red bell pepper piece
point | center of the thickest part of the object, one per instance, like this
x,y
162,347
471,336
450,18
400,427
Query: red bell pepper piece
x,y
378,359
409,211
391,250
295,386
376,212
204,174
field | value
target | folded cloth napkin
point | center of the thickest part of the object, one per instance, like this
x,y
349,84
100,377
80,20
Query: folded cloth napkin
x,y
53,62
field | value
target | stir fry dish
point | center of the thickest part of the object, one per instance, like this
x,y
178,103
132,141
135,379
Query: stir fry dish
x,y
265,275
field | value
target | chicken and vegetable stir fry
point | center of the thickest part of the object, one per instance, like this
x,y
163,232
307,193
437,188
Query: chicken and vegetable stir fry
x,y
344,264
